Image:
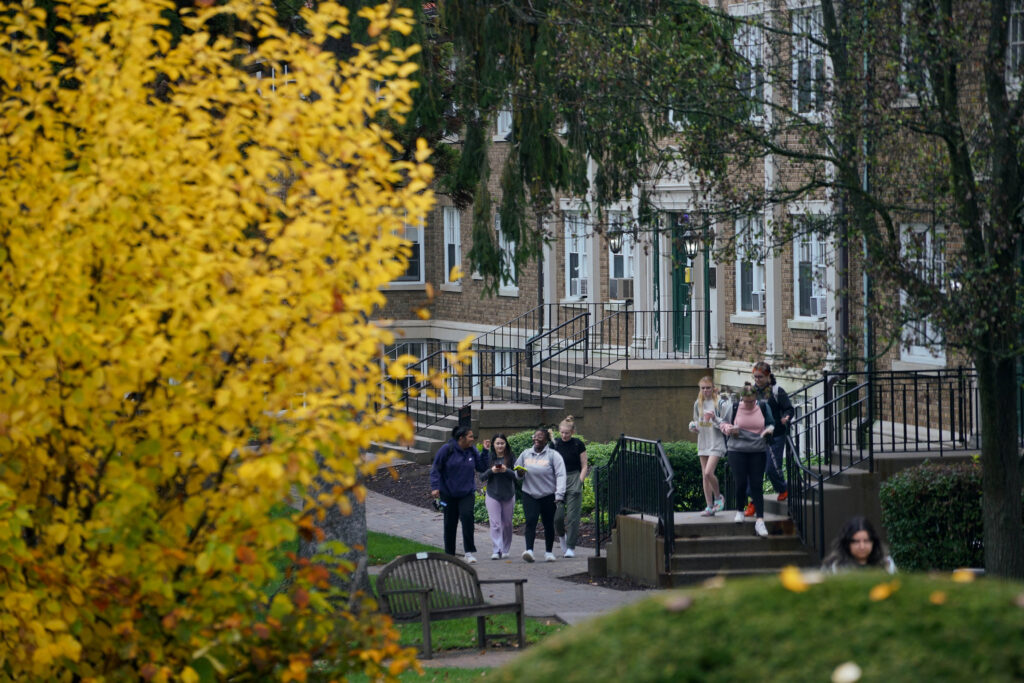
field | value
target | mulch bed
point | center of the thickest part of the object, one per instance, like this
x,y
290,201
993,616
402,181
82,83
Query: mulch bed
x,y
410,483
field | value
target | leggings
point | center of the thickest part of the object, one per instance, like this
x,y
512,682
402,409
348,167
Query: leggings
x,y
543,507
748,469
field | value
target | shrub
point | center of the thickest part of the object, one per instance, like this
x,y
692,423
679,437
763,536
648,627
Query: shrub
x,y
914,628
933,515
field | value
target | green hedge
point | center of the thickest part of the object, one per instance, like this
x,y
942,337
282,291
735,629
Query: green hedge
x,y
932,513
682,455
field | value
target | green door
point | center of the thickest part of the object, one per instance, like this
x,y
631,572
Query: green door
x,y
682,330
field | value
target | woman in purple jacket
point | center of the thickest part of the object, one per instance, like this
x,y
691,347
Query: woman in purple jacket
x,y
453,481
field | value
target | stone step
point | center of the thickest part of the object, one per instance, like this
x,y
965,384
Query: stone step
x,y
739,560
735,544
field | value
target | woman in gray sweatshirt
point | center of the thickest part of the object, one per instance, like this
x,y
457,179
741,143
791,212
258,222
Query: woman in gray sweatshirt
x,y
543,473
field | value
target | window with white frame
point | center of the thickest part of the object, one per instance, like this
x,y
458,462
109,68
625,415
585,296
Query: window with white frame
x,y
508,285
808,57
913,76
503,127
452,243
1015,40
748,42
504,368
577,285
809,270
924,247
750,250
620,265
414,271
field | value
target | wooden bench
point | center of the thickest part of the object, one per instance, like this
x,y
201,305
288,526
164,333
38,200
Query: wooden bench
x,y
428,587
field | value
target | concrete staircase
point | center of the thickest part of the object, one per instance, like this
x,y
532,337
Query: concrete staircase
x,y
705,547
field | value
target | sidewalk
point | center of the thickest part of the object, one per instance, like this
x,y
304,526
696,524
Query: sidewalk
x,y
546,594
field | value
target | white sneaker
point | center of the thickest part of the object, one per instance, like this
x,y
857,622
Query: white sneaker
x,y
760,529
527,556
561,542
549,557
568,553
738,518
470,559
495,556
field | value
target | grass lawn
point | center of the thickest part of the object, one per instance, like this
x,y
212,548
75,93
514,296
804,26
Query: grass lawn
x,y
382,548
457,634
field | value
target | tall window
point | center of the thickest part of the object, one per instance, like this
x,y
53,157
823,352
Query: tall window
x,y
749,44
508,285
913,71
1015,39
414,271
503,128
577,285
452,242
750,265
924,247
810,271
808,61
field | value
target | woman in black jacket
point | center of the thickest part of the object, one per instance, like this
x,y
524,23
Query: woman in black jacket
x,y
782,410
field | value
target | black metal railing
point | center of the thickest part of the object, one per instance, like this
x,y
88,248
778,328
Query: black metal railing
x,y
636,479
844,419
543,352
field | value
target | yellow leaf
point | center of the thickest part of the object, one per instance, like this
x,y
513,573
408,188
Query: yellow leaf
x,y
882,591
793,580
963,576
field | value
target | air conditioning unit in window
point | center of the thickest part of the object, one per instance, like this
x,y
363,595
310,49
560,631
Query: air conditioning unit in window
x,y
579,287
757,302
620,288
817,306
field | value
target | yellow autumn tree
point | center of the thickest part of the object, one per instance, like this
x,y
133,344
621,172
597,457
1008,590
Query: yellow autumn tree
x,y
189,256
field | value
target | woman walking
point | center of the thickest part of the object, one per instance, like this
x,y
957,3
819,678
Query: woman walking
x,y
501,494
782,410
708,412
574,455
747,431
543,473
453,480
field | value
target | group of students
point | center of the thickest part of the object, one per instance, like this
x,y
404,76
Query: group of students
x,y
751,433
552,476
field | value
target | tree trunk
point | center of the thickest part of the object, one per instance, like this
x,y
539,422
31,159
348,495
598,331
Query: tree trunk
x,y
1001,466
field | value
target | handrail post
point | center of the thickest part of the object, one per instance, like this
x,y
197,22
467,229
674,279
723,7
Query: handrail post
x,y
586,339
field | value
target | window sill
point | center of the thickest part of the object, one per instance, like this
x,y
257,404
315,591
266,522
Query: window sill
x,y
906,101
813,324
451,287
919,363
508,291
573,302
405,287
747,319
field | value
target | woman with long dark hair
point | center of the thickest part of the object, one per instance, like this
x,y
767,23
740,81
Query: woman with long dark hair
x,y
501,494
858,547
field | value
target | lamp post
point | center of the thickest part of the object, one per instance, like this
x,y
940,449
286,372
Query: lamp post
x,y
615,240
693,239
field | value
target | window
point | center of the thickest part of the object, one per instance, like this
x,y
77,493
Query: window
x,y
621,265
414,272
748,43
504,125
577,286
808,61
452,242
1015,39
507,247
750,265
913,72
925,250
810,265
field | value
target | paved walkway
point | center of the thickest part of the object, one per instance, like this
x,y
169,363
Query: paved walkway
x,y
546,594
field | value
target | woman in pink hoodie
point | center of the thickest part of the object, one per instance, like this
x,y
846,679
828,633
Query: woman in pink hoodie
x,y
747,435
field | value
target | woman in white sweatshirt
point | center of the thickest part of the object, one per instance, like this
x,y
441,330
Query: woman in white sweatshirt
x,y
708,412
543,473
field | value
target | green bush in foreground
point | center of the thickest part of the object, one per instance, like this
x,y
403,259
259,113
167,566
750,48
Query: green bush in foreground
x,y
923,628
